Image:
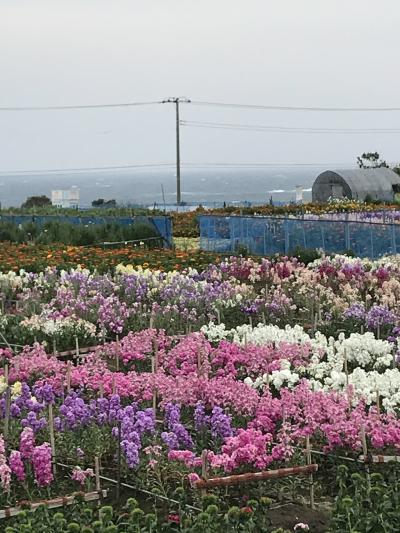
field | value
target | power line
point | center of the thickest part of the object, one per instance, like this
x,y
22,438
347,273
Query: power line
x,y
85,169
71,107
266,164
166,166
284,129
294,108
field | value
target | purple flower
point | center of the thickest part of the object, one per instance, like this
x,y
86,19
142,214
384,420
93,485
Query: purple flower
x,y
356,311
379,315
220,424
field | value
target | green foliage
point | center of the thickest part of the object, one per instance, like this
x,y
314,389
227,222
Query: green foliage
x,y
306,255
368,503
76,234
85,518
36,201
371,160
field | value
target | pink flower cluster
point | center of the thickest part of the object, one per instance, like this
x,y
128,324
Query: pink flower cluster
x,y
80,475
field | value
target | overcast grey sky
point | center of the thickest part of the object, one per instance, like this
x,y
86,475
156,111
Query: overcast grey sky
x,y
282,52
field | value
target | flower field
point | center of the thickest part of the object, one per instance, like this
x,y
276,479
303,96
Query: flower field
x,y
179,385
14,257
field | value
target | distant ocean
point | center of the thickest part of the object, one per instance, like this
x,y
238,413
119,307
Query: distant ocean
x,y
207,187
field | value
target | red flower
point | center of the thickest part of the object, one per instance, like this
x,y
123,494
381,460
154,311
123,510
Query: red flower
x,y
246,510
174,518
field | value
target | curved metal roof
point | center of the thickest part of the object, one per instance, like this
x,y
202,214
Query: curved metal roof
x,y
369,179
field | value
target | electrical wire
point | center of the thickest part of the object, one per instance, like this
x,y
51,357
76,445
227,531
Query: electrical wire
x,y
284,129
71,107
85,169
267,164
293,108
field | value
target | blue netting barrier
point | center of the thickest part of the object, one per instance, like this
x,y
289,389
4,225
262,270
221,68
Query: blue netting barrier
x,y
270,235
162,224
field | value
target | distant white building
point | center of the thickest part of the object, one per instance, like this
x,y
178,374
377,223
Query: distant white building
x,y
66,198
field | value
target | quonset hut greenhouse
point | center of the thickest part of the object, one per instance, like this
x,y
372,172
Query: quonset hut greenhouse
x,y
357,184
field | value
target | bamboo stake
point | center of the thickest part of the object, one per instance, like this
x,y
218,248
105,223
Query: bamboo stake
x,y
7,406
52,439
117,356
113,386
68,377
308,458
77,346
97,473
151,323
378,407
346,370
54,347
204,472
101,389
365,451
119,462
239,479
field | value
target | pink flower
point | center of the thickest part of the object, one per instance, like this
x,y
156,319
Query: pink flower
x,y
80,475
17,465
5,476
193,477
27,443
41,460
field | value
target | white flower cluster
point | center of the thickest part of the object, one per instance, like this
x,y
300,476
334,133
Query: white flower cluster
x,y
366,359
59,326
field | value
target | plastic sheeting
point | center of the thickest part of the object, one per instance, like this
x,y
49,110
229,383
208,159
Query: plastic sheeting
x,y
269,235
162,224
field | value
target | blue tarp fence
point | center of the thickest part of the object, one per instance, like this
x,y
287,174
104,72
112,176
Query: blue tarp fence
x,y
163,224
273,235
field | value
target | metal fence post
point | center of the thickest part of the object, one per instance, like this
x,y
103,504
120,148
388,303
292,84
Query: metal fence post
x,y
394,247
287,239
347,235
372,242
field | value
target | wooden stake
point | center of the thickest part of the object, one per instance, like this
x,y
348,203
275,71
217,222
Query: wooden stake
x,y
101,389
154,367
54,347
77,346
345,367
52,439
154,344
378,406
113,386
308,458
7,407
97,473
365,451
119,462
68,377
204,470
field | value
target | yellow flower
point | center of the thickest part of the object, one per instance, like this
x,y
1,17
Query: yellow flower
x,y
16,389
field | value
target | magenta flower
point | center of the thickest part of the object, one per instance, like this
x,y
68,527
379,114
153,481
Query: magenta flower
x,y
41,460
17,465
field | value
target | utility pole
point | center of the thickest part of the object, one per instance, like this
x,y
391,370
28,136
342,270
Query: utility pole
x,y
177,101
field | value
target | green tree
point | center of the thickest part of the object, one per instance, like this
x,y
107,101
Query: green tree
x,y
36,201
371,160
